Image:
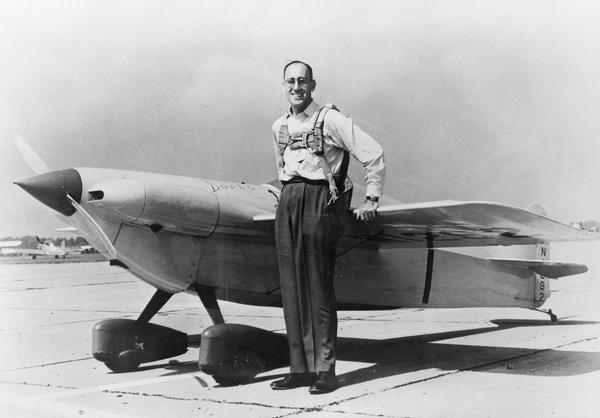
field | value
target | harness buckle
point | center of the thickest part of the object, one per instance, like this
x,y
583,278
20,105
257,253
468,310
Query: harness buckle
x,y
305,142
305,139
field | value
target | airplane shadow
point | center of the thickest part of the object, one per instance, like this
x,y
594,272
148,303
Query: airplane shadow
x,y
409,354
394,356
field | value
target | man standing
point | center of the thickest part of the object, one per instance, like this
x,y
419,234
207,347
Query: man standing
x,y
312,148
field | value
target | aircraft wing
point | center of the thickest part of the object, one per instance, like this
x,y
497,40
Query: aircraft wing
x,y
24,251
454,224
8,244
461,224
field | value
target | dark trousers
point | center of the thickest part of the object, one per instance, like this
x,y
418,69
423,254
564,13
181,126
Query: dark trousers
x,y
306,234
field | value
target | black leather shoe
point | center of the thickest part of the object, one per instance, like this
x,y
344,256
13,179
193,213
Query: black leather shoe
x,y
293,380
326,382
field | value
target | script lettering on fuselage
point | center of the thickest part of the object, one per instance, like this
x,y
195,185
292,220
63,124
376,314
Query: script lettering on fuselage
x,y
230,186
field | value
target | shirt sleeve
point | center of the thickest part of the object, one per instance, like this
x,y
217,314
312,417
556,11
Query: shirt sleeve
x,y
361,146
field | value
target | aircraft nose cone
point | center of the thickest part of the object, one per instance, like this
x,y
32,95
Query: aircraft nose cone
x,y
52,188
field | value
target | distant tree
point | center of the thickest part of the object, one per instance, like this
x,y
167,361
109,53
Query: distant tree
x,y
28,241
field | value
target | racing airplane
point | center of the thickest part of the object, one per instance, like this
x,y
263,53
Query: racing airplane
x,y
215,239
45,247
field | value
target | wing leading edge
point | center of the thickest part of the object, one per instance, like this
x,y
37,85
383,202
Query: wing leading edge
x,y
455,224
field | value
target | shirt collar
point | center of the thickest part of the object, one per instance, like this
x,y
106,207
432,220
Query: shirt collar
x,y
309,111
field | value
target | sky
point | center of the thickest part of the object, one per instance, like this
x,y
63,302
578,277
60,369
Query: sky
x,y
471,100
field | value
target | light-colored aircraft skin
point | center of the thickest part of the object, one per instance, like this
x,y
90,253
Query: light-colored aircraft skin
x,y
216,239
175,232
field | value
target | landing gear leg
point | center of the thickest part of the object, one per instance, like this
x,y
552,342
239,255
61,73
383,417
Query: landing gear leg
x,y
209,300
156,303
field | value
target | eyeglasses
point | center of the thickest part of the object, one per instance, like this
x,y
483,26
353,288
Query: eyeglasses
x,y
291,82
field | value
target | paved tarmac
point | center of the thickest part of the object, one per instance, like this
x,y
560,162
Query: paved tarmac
x,y
397,363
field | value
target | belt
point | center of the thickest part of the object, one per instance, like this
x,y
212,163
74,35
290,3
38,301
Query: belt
x,y
299,179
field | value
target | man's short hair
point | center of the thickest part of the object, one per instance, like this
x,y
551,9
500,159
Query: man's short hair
x,y
310,72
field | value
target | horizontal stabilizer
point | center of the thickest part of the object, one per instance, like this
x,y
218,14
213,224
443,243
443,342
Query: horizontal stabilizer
x,y
550,269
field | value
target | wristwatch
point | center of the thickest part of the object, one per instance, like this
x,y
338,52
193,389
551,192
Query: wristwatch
x,y
373,198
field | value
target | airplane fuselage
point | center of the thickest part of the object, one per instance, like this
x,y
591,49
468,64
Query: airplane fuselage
x,y
173,232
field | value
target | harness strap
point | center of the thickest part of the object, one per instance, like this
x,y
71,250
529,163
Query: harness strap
x,y
282,143
312,140
317,150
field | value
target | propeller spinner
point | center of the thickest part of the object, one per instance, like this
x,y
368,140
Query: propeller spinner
x,y
52,188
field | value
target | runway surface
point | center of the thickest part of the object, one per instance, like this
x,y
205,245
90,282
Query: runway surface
x,y
397,363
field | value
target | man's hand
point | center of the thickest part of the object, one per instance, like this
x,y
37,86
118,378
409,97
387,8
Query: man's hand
x,y
367,211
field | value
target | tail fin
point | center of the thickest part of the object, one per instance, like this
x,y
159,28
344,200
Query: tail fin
x,y
537,209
